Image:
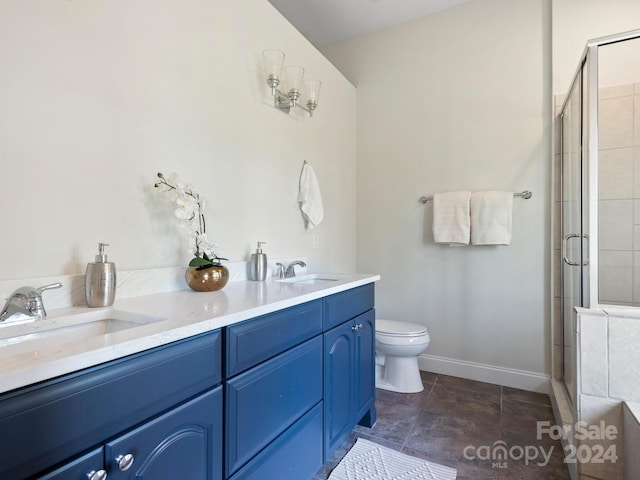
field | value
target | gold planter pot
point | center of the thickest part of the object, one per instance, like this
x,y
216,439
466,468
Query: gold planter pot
x,y
207,279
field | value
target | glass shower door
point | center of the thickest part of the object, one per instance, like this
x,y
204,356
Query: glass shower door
x,y
574,238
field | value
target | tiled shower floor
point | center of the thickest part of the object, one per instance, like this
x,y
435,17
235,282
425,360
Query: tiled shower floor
x,y
453,416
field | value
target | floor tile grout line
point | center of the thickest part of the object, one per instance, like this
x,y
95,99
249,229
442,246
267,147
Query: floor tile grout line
x,y
530,403
415,421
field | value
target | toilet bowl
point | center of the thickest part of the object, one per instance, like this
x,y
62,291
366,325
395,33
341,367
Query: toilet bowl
x,y
398,346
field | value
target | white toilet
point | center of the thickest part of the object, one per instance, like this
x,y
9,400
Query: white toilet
x,y
398,345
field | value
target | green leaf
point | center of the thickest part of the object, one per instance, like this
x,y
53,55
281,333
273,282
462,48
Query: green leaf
x,y
199,262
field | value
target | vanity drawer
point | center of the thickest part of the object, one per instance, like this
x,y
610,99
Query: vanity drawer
x,y
294,455
46,423
254,341
344,306
263,402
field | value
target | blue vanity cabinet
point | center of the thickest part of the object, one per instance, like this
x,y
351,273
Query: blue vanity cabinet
x,y
273,413
365,368
296,454
267,398
339,386
251,342
48,427
185,443
344,306
349,365
87,467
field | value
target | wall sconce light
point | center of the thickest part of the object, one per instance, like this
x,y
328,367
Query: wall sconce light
x,y
296,92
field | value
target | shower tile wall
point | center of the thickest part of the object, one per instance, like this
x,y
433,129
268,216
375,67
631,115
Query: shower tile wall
x,y
608,376
619,195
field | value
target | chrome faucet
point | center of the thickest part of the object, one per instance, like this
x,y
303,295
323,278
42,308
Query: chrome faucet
x,y
280,270
291,271
26,302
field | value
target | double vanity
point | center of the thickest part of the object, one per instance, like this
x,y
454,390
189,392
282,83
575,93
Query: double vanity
x,y
259,380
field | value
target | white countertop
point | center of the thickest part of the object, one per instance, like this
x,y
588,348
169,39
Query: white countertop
x,y
185,313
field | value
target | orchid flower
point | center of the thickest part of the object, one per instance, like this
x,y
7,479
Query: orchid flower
x,y
189,208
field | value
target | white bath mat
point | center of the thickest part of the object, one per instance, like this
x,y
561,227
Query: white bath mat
x,y
370,461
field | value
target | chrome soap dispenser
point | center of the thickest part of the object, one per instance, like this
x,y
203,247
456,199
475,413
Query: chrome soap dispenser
x,y
258,264
100,280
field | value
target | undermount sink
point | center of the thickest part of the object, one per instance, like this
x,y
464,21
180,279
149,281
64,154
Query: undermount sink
x,y
314,279
37,337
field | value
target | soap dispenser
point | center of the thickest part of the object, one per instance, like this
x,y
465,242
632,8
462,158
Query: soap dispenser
x,y
100,280
258,265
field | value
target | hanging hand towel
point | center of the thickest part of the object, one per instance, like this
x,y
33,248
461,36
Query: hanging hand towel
x,y
491,217
310,197
451,222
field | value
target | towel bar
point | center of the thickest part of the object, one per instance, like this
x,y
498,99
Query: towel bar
x,y
525,194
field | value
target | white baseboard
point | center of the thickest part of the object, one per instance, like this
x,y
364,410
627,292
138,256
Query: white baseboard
x,y
508,377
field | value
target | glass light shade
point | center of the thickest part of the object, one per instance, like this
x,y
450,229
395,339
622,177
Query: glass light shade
x,y
273,62
293,76
311,91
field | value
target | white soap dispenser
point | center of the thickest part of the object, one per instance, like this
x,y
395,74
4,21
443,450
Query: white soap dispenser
x,y
258,264
100,280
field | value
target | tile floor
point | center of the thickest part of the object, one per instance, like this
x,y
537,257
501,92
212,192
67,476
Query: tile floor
x,y
453,415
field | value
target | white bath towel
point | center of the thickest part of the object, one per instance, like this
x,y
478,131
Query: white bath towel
x,y
310,198
491,218
451,222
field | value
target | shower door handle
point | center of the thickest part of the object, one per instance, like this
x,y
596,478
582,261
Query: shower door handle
x,y
565,239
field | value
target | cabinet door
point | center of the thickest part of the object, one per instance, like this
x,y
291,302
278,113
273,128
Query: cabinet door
x,y
82,468
264,401
184,443
102,402
365,368
339,386
294,455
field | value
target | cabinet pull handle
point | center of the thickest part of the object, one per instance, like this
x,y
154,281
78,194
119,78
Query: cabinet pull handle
x,y
360,327
354,328
99,475
124,462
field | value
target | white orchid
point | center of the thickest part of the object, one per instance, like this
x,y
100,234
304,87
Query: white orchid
x,y
187,208
190,208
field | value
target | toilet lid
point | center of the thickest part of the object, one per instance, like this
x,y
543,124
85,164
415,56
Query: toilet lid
x,y
393,327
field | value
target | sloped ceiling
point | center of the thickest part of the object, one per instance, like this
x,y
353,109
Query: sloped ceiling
x,y
325,22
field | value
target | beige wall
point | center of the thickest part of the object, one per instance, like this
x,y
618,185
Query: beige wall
x,y
96,97
458,100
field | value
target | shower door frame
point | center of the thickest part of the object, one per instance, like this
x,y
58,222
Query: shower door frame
x,y
590,61
574,222
587,72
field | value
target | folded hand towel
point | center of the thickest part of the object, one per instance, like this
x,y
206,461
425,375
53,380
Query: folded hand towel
x,y
491,217
310,197
451,221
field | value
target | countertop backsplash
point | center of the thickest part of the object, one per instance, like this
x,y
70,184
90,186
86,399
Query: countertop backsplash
x,y
130,283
